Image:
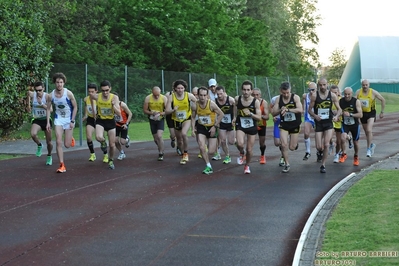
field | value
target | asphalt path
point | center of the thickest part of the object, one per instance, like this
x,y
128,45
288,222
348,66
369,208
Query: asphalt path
x,y
147,212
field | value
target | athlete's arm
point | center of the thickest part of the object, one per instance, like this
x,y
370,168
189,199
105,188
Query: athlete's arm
x,y
257,115
379,97
334,99
115,105
276,109
265,116
128,112
146,108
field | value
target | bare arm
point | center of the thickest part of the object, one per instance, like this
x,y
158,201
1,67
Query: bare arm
x,y
146,109
128,112
115,105
382,99
265,115
276,109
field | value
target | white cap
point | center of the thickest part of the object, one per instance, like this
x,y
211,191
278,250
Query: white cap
x,y
212,82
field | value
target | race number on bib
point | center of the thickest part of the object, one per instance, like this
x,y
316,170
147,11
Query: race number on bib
x,y
226,118
39,113
181,115
349,120
204,120
324,113
106,111
289,117
246,122
365,103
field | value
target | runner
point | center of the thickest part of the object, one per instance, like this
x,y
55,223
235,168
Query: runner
x,y
122,128
308,124
90,118
276,129
337,129
264,111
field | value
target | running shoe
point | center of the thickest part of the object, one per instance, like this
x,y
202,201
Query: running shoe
x,y
343,157
336,158
208,170
246,169
39,150
105,159
121,156
319,156
73,142
331,148
282,161
368,154
306,157
111,165
372,148
49,160
241,159
216,156
104,146
92,157
184,158
199,155
227,160
356,160
173,143
62,168
127,145
350,141
160,157
323,169
286,168
262,159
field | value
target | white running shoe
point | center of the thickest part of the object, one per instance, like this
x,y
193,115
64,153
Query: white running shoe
x,y
121,156
336,158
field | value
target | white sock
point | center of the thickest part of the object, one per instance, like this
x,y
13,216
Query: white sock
x,y
209,165
307,145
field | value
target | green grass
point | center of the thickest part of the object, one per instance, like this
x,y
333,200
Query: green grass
x,y
366,219
7,156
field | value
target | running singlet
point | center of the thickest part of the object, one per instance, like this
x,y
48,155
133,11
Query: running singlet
x,y
262,122
244,121
184,109
63,105
121,119
39,110
206,117
90,108
307,103
290,120
323,107
367,101
227,109
156,106
349,107
105,108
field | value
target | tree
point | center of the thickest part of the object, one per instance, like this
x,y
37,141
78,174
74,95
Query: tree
x,y
337,67
24,58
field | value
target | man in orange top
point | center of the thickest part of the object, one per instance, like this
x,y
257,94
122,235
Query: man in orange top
x,y
264,111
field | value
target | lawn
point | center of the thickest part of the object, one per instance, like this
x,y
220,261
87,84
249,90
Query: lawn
x,y
366,222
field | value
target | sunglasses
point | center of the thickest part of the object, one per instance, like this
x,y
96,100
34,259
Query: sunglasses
x,y
38,90
311,89
105,90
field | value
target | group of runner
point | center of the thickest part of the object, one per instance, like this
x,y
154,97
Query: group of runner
x,y
216,119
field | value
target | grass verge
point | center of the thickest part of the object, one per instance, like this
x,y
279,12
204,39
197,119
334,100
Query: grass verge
x,y
366,222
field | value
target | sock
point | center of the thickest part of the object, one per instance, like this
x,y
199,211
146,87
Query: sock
x,y
262,150
40,144
209,165
307,145
91,146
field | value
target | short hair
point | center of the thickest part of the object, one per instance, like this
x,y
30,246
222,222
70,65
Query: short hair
x,y
92,86
333,87
59,75
220,88
285,86
105,83
247,82
38,84
179,82
202,88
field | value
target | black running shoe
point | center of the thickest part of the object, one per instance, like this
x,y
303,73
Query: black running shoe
x,y
322,169
306,157
319,156
173,143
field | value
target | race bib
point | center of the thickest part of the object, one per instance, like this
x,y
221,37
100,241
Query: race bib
x,y
246,122
365,103
204,120
181,115
324,113
349,120
118,118
155,117
226,118
39,113
289,117
106,111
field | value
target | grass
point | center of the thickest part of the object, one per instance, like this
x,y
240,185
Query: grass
x,y
7,156
366,219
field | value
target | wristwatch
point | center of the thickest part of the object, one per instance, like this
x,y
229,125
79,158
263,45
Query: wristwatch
x,y
73,121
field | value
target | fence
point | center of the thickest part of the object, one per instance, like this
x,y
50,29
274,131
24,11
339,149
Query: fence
x,y
133,85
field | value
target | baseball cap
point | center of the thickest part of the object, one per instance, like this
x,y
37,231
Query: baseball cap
x,y
212,82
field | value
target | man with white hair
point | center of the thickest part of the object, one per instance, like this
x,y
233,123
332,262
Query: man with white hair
x,y
212,89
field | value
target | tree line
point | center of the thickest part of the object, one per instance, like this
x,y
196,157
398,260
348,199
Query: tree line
x,y
247,37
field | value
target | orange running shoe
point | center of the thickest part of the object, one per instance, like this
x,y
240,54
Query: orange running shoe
x,y
262,159
62,168
73,142
343,157
356,160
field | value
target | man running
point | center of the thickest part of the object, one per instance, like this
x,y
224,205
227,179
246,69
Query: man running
x,y
367,97
206,128
154,106
39,122
90,118
308,124
264,111
246,115
122,128
64,119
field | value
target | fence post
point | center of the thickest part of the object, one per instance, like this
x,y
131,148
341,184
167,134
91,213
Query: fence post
x,y
236,85
268,89
81,122
189,81
126,84
163,81
86,74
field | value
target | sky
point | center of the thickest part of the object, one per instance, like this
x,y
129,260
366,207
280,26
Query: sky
x,y
342,21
